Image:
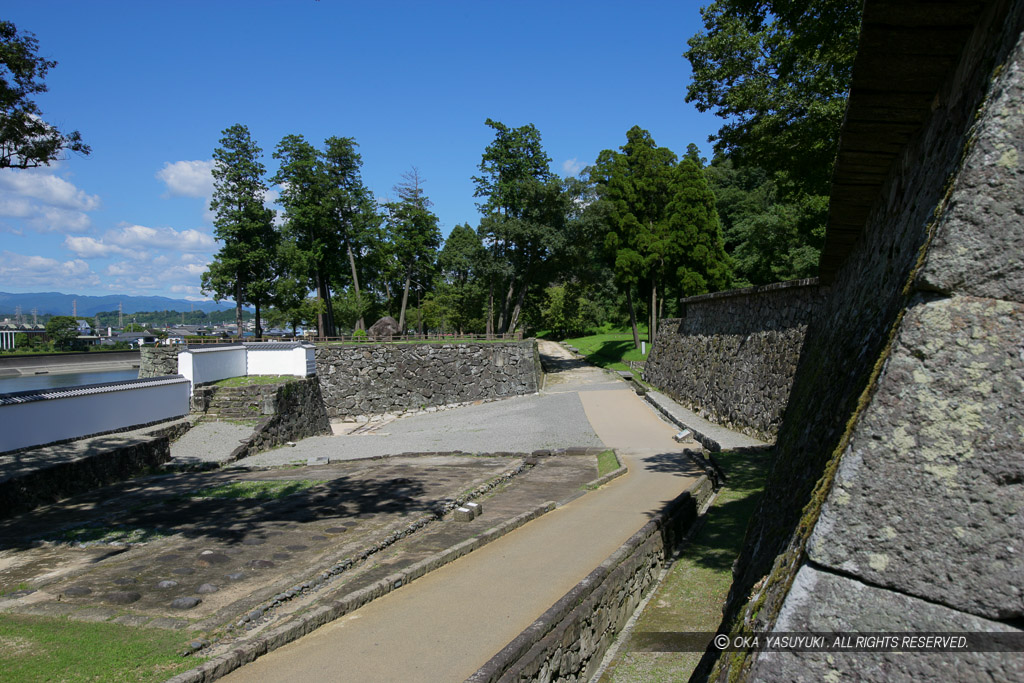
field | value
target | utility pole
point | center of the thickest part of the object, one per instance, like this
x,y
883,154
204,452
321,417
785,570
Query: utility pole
x,y
35,316
18,318
74,308
120,315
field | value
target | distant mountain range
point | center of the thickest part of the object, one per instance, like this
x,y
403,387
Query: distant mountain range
x,y
55,303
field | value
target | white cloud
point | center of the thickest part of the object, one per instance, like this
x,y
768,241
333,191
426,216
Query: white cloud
x,y
150,275
44,201
571,167
88,247
137,242
190,292
188,178
46,273
140,236
47,188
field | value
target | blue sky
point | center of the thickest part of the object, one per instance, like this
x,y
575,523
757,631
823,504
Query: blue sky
x,y
152,85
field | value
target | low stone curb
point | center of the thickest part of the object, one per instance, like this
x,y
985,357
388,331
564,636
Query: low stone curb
x,y
702,438
248,652
601,481
553,645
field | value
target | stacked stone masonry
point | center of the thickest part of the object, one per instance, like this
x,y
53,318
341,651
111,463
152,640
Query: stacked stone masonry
x,y
377,378
57,471
158,361
733,355
290,410
896,502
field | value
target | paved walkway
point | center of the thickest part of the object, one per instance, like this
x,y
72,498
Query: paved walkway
x,y
446,625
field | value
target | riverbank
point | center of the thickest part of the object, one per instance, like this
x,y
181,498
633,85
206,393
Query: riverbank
x,y
63,363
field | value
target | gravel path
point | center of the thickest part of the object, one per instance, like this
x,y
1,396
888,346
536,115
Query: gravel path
x,y
519,424
209,442
553,418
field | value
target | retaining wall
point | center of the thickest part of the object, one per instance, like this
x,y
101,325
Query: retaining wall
x,y
46,475
732,356
895,498
569,640
376,378
288,411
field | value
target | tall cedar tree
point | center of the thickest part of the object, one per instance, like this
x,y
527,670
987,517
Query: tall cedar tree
x,y
523,215
312,248
660,223
350,208
413,234
244,268
26,141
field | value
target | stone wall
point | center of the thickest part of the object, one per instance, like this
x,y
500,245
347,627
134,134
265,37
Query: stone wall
x,y
568,642
732,357
46,475
377,378
287,411
299,413
896,500
157,361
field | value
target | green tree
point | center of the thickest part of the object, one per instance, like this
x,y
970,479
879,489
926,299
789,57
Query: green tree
x,y
635,186
246,265
26,141
62,331
306,227
413,234
779,72
461,264
350,207
660,221
693,224
771,237
524,214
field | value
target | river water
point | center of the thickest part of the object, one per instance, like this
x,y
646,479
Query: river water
x,y
9,385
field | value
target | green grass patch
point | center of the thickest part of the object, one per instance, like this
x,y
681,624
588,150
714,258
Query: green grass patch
x,y
59,649
609,350
697,584
257,490
607,462
7,590
250,380
104,535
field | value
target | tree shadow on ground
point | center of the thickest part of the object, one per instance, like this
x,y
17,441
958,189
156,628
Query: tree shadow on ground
x,y
168,505
610,352
719,541
677,463
553,365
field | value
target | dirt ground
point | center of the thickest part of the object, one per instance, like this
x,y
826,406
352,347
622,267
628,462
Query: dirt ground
x,y
167,551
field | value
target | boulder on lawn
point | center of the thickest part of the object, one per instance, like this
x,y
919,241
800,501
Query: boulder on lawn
x,y
385,327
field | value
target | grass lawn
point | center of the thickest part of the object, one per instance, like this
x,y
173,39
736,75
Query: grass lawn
x,y
257,490
608,350
59,649
249,380
606,462
693,593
